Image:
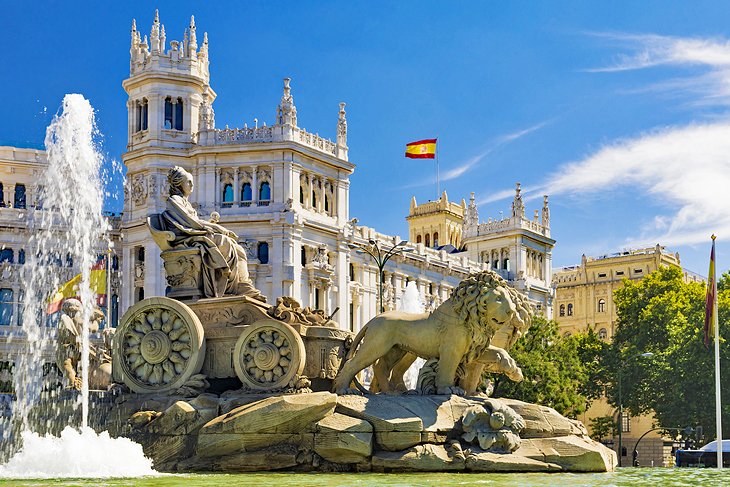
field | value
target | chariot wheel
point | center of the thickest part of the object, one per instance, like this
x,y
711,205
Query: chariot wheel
x,y
159,345
268,355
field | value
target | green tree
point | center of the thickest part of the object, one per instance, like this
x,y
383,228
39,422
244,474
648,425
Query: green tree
x,y
603,427
664,315
557,369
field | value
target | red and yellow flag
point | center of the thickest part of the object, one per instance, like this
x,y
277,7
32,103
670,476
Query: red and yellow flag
x,y
421,149
711,296
71,288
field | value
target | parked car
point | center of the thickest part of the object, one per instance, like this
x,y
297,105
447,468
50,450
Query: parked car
x,y
705,456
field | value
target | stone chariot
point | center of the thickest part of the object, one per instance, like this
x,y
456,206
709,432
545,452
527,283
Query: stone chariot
x,y
163,342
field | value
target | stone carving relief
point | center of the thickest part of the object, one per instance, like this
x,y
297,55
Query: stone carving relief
x,y
139,189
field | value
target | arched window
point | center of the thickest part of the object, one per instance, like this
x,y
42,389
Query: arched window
x,y
228,193
263,252
435,239
179,114
562,310
6,306
603,334
246,193
141,115
144,113
264,192
505,264
139,294
570,309
168,113
601,305
140,254
418,239
428,240
21,256
6,255
19,196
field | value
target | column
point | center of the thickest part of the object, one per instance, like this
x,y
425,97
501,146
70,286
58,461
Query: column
x,y
255,184
236,188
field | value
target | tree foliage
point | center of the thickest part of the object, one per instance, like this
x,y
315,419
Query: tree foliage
x,y
664,315
560,372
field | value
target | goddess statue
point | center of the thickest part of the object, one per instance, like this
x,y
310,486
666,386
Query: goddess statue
x,y
225,267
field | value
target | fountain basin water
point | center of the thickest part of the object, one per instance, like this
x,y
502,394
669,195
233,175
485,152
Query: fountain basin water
x,y
77,454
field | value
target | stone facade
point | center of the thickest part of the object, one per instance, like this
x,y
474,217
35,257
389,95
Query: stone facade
x,y
282,189
436,223
584,300
20,169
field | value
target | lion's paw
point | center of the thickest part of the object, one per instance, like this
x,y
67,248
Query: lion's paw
x,y
448,390
349,391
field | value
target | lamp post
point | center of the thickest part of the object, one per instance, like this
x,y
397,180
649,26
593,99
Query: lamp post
x,y
381,257
620,421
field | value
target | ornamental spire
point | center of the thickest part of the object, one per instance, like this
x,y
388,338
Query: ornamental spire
x,y
155,33
287,109
193,47
342,127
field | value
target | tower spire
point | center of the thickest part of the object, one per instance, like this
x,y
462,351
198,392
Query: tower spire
x,y
193,46
155,34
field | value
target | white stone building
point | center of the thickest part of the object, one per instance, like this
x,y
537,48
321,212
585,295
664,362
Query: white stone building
x,y
518,248
284,190
20,169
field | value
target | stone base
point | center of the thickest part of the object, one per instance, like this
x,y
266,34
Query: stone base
x,y
323,432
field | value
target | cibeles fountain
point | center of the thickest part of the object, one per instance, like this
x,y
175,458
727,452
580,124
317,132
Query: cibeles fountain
x,y
213,378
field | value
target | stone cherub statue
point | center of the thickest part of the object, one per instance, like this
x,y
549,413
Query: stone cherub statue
x,y
68,352
225,268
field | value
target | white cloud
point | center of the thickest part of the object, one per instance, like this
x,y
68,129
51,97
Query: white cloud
x,y
709,83
686,168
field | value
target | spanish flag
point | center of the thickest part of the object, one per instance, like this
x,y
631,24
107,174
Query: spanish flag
x,y
421,149
71,288
711,299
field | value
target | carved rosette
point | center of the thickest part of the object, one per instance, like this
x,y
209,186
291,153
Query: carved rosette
x,y
159,345
269,355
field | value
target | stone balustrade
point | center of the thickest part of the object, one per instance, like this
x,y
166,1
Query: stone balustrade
x,y
265,133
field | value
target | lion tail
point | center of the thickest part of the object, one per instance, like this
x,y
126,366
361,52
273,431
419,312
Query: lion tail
x,y
356,341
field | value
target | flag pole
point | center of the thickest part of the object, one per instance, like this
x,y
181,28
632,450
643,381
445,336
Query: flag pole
x,y
716,324
438,181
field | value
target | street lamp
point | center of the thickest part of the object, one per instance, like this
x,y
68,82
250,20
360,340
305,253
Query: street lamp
x,y
381,257
621,405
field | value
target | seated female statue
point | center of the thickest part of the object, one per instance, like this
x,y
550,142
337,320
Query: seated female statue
x,y
225,268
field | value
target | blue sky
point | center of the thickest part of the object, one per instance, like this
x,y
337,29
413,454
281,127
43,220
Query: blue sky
x,y
618,110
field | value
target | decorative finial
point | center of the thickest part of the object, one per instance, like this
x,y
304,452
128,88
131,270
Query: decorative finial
x,y
342,126
157,16
163,37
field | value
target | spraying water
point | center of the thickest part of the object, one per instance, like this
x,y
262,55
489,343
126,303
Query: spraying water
x,y
67,227
411,303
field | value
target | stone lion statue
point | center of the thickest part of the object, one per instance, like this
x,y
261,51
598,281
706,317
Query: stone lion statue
x,y
495,358
459,331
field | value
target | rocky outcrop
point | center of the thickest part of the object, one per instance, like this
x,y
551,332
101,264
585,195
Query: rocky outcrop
x,y
321,431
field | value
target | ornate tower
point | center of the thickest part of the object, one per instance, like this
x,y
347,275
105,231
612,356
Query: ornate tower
x,y
166,88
